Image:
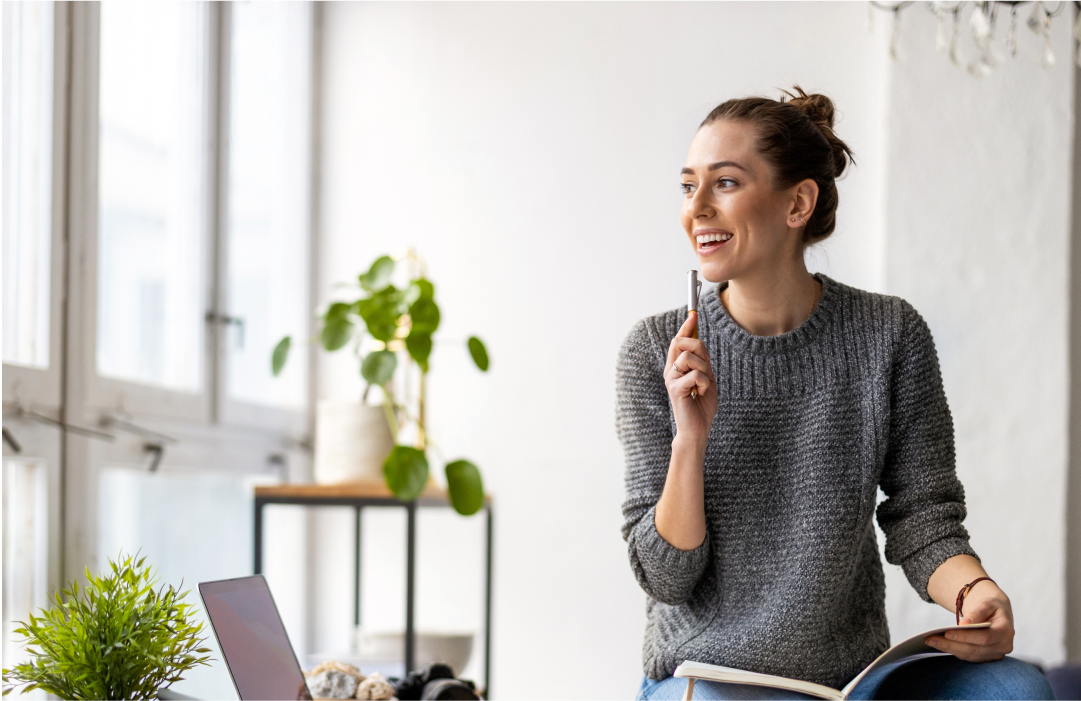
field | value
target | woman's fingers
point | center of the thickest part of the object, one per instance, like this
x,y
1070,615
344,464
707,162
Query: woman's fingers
x,y
983,636
989,609
691,345
978,645
968,651
982,610
689,325
692,380
687,361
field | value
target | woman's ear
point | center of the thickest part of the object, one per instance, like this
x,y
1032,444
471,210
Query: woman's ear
x,y
804,198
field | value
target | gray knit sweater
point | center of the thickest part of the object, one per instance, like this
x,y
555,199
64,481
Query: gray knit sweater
x,y
810,424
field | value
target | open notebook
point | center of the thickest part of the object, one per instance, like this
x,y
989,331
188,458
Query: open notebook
x,y
906,648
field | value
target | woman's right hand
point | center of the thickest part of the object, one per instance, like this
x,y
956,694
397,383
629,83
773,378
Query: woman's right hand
x,y
688,368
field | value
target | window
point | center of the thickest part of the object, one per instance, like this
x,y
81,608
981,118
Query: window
x,y
268,194
27,174
25,547
203,209
160,188
152,210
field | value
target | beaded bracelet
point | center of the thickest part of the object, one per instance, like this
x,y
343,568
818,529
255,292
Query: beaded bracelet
x,y
964,592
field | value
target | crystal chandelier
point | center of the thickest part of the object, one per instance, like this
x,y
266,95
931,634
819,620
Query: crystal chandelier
x,y
984,21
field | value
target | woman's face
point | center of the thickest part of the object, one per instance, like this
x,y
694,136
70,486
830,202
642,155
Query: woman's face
x,y
735,220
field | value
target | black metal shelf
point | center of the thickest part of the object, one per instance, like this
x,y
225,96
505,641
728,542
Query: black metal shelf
x,y
359,496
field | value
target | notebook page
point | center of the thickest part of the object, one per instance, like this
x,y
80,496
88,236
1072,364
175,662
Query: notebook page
x,y
908,648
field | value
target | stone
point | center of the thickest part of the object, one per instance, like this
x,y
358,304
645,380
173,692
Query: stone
x,y
374,688
332,684
340,666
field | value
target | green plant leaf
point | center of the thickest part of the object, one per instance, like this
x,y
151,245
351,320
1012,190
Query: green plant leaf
x,y
336,333
406,472
381,312
117,637
465,486
419,345
378,367
479,353
279,356
378,276
417,290
425,288
424,313
338,310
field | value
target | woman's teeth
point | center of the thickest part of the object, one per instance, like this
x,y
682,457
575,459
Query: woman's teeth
x,y
707,238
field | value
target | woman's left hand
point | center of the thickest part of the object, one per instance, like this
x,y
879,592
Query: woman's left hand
x,y
985,644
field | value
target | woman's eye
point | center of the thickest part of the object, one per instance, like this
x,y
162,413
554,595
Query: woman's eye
x,y
726,182
686,187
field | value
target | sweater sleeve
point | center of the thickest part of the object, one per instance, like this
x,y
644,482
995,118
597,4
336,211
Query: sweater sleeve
x,y
925,502
643,424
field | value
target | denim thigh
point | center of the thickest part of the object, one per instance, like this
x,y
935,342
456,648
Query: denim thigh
x,y
672,689
938,677
947,677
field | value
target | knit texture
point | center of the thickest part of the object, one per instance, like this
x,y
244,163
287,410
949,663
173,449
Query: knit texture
x,y
810,424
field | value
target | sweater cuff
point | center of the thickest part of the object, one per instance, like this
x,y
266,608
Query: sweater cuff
x,y
662,556
920,565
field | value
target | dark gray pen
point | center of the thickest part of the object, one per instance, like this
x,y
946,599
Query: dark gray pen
x,y
694,287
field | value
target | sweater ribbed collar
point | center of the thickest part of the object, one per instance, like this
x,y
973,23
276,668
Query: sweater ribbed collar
x,y
723,325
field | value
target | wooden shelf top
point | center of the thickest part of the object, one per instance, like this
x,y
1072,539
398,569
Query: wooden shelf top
x,y
348,490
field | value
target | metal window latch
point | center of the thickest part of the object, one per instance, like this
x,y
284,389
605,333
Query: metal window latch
x,y
157,450
12,443
213,317
277,464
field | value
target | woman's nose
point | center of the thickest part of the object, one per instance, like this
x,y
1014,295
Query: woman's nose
x,y
701,204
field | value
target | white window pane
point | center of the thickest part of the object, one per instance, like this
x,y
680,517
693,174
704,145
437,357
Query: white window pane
x,y
25,549
27,176
269,145
193,526
152,193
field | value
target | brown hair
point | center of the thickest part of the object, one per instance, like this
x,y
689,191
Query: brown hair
x,y
796,138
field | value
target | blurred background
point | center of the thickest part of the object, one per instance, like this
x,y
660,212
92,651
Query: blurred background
x,y
186,183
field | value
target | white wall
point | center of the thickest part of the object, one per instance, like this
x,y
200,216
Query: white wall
x,y
531,154
978,201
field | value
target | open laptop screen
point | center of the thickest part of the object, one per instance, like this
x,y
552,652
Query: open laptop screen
x,y
253,640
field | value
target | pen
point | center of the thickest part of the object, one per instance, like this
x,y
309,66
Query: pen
x,y
694,286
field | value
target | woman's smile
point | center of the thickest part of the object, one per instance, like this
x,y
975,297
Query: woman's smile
x,y
710,240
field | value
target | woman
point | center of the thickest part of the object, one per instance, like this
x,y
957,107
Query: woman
x,y
755,451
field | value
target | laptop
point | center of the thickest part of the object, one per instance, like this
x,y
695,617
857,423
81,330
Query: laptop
x,y
252,639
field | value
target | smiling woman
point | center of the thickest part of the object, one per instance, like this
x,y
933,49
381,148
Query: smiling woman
x,y
755,452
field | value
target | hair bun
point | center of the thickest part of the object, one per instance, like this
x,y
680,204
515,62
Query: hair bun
x,y
819,109
816,106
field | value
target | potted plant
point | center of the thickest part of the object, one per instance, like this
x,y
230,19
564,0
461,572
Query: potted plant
x,y
396,324
116,638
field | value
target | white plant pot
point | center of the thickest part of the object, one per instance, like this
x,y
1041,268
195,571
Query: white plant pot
x,y
351,442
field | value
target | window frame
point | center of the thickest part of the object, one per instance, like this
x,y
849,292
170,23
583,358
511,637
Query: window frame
x,y
236,412
110,396
36,389
39,389
210,434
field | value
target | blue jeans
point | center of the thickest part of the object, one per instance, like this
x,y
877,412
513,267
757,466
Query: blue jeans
x,y
938,677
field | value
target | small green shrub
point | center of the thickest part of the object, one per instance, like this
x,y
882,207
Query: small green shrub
x,y
116,638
